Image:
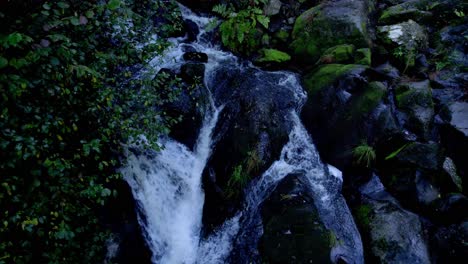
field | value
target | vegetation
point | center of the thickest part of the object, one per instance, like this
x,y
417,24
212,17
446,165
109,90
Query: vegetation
x,y
239,32
67,102
242,174
364,155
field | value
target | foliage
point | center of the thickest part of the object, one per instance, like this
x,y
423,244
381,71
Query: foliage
x,y
364,155
396,152
242,174
240,32
63,119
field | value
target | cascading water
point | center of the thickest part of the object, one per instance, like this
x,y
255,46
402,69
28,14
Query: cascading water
x,y
167,184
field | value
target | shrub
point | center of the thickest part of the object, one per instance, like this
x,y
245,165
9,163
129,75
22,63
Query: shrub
x,y
67,103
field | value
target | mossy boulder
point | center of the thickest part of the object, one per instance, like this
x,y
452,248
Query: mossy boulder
x,y
414,10
293,230
343,109
414,100
327,75
338,54
329,24
363,56
271,58
404,40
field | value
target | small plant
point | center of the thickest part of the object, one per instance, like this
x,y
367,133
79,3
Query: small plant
x,y
237,182
459,13
364,155
239,30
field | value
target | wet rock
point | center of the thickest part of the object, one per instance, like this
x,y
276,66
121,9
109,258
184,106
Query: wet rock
x,y
451,170
414,10
405,40
293,231
449,243
120,215
363,56
252,129
453,62
338,54
414,100
193,72
412,173
189,106
343,110
272,58
192,30
329,24
388,71
272,7
451,209
454,136
200,5
393,234
196,57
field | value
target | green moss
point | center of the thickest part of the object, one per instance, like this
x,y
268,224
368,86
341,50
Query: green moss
x,y
326,75
368,100
282,35
363,56
362,214
273,55
315,31
338,54
407,97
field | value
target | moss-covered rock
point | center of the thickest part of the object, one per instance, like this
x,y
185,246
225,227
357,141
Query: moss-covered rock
x,y
328,74
363,56
293,230
402,12
414,100
365,102
393,234
338,54
273,55
329,24
404,40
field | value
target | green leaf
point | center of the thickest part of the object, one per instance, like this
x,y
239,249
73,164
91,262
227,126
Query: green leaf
x,y
63,5
75,21
265,21
3,62
113,4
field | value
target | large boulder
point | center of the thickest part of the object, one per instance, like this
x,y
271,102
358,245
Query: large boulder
x,y
329,24
404,41
251,131
449,243
343,110
454,136
413,9
293,231
393,234
414,100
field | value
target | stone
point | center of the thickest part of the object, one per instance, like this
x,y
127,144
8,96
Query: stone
x,y
450,168
329,24
404,11
393,234
338,54
272,8
293,230
196,57
405,39
363,56
414,100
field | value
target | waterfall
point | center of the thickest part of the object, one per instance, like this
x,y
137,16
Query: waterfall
x,y
167,184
